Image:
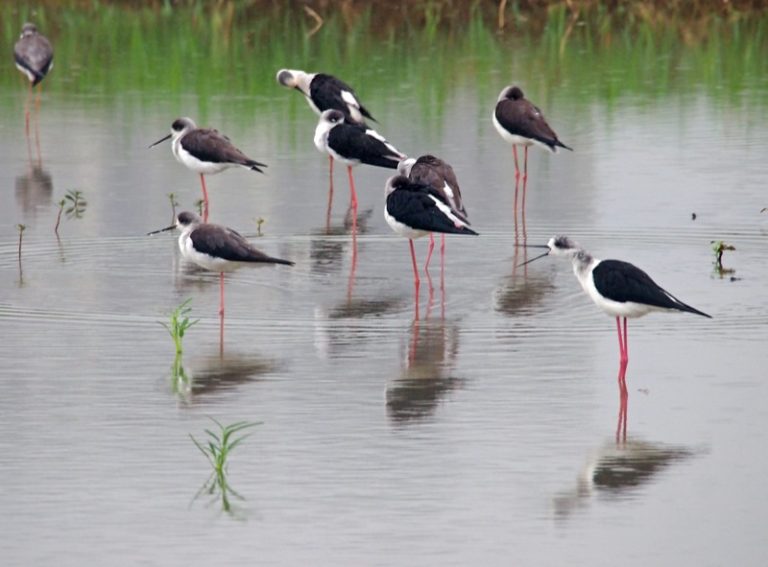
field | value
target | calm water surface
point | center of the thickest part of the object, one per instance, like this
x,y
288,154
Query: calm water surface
x,y
483,432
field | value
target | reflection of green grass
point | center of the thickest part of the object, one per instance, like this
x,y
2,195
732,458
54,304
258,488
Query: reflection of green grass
x,y
232,51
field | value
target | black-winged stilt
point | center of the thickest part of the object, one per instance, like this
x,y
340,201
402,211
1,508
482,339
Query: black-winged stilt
x,y
354,144
205,151
325,92
439,175
216,248
619,288
33,55
414,210
521,123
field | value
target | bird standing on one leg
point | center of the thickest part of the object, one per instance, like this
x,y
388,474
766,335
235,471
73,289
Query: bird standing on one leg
x,y
619,288
521,123
354,144
439,175
205,151
216,248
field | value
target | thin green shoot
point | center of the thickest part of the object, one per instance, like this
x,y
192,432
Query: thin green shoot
x,y
260,221
219,444
72,205
179,324
719,247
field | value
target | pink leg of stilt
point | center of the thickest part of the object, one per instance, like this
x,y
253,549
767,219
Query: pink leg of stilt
x,y
442,276
352,191
442,255
205,198
27,107
517,167
330,194
621,426
415,268
221,294
626,343
525,168
621,340
429,251
221,334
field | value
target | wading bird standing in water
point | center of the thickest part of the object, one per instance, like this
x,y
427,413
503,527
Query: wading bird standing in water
x,y
521,123
216,248
353,144
33,55
437,174
326,92
619,288
413,210
205,151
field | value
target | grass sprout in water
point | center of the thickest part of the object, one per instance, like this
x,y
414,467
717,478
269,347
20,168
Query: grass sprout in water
x,y
72,205
179,324
718,249
217,448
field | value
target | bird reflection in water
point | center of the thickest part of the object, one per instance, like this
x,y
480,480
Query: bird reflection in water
x,y
519,291
326,254
34,189
616,469
215,374
427,376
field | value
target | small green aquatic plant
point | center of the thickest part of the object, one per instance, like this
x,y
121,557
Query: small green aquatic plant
x,y
718,249
21,228
217,449
259,221
199,204
179,323
72,205
222,442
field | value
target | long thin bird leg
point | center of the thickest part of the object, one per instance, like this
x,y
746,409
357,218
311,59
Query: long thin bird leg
x,y
330,194
621,426
621,341
442,257
221,293
517,168
416,280
27,106
205,198
626,344
525,170
352,187
429,251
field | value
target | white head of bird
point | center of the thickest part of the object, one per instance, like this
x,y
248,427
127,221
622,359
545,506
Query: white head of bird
x,y
565,247
404,166
179,128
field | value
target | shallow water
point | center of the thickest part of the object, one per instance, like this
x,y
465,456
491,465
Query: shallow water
x,y
481,432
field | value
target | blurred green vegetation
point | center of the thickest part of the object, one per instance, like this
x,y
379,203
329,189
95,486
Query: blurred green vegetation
x,y
227,49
